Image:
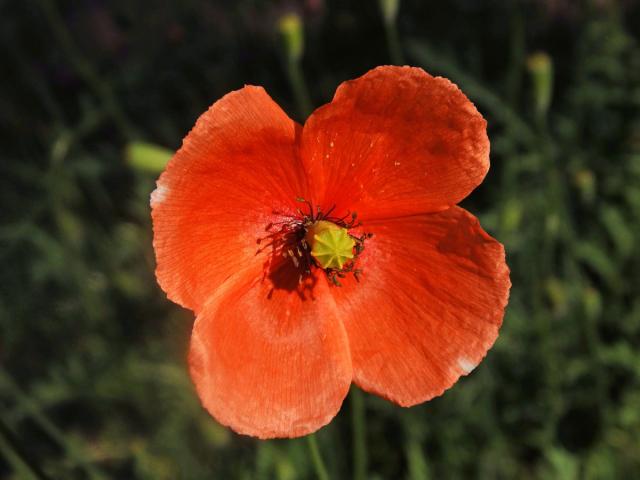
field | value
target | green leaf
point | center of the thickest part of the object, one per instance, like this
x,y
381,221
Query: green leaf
x,y
618,230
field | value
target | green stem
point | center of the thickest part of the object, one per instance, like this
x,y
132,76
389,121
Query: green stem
x,y
479,93
393,43
74,450
517,52
85,70
359,435
21,461
318,464
299,86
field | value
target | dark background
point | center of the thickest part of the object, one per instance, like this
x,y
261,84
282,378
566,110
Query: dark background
x,y
93,377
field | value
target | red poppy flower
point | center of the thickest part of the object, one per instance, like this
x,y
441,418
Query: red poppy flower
x,y
296,296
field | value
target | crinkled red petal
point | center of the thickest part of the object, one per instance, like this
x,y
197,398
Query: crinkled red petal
x,y
428,306
269,356
395,142
237,171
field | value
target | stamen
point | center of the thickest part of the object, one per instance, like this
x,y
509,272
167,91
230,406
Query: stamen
x,y
326,215
317,239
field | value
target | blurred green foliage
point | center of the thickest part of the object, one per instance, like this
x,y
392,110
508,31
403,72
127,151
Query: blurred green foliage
x,y
93,380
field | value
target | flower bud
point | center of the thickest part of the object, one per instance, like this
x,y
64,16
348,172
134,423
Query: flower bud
x,y
290,27
541,68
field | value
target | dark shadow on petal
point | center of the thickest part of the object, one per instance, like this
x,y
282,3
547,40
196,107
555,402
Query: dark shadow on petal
x,y
285,276
288,265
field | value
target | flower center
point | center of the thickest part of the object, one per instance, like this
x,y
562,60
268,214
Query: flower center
x,y
331,245
318,239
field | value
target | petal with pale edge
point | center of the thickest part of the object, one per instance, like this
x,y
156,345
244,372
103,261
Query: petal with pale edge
x,y
269,357
428,306
394,142
237,171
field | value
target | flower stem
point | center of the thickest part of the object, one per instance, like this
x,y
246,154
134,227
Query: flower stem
x,y
75,451
299,86
430,59
17,455
393,43
359,435
318,464
389,11
86,70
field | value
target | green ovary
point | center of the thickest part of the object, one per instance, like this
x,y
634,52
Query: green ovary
x,y
331,245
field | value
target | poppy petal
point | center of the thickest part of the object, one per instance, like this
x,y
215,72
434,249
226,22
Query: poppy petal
x,y
428,306
237,171
270,358
393,142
